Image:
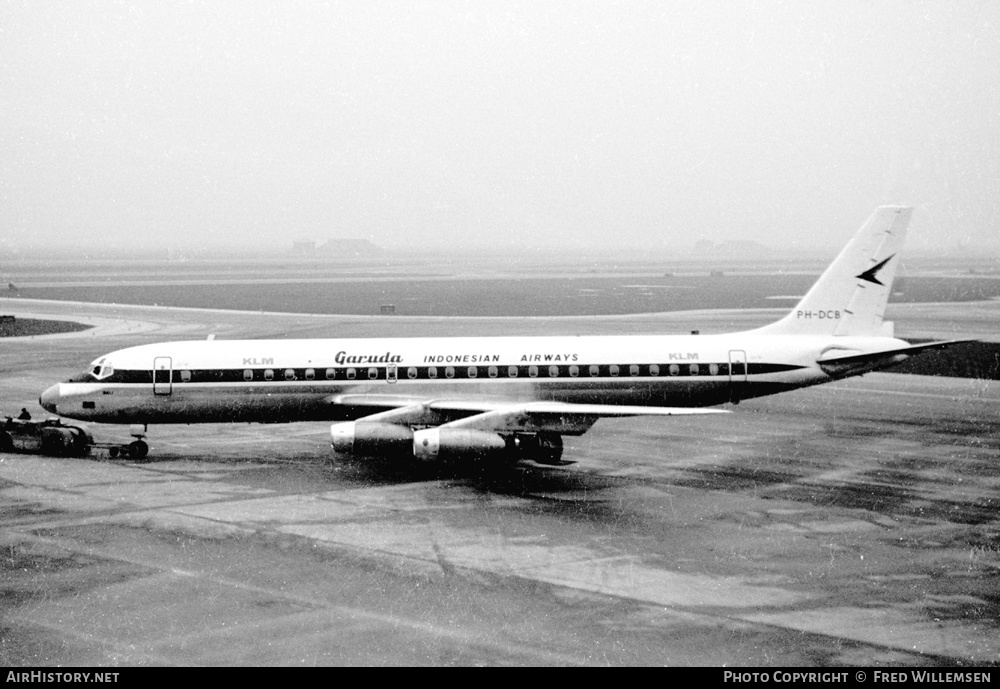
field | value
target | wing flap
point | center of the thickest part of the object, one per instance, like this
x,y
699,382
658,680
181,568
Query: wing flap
x,y
561,417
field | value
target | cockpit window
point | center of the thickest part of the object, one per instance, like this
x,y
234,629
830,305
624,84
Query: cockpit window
x,y
98,370
101,369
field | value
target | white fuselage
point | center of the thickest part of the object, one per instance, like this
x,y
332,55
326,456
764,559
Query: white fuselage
x,y
281,380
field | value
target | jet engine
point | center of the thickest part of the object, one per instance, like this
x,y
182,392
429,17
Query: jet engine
x,y
441,443
445,444
371,438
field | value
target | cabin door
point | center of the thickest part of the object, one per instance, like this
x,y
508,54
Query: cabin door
x,y
737,374
162,373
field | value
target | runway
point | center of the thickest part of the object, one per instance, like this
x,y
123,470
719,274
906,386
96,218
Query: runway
x,y
849,524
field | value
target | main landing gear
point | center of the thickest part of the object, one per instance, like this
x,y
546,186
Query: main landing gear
x,y
541,448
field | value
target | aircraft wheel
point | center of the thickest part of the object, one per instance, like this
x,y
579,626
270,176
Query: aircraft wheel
x,y
138,449
6,442
550,449
113,452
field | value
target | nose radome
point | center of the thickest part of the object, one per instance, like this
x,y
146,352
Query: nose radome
x,y
49,398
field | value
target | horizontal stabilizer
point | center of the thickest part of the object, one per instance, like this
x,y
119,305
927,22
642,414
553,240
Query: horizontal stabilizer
x,y
841,363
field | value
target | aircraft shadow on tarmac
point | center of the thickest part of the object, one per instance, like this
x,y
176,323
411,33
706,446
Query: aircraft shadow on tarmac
x,y
579,493
514,479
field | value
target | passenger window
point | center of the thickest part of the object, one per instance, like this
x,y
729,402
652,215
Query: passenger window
x,y
432,372
185,376
473,371
268,374
310,374
613,369
574,371
512,371
331,373
533,371
492,370
674,369
595,370
693,368
248,374
654,369
713,369
372,373
411,372
449,372
352,374
553,371
633,370
289,374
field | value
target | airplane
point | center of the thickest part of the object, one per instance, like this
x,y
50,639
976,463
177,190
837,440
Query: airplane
x,y
502,398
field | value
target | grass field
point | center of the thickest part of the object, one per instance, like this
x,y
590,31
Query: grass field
x,y
29,327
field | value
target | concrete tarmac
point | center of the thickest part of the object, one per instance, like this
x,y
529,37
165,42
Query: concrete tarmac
x,y
850,524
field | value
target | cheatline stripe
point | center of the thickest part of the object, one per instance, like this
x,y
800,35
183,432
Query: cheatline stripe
x,y
341,373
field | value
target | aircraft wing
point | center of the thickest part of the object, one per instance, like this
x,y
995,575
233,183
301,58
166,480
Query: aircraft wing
x,y
497,416
841,362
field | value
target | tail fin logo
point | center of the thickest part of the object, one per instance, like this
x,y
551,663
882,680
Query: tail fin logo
x,y
870,274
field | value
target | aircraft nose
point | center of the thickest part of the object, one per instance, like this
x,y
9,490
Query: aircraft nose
x,y
49,398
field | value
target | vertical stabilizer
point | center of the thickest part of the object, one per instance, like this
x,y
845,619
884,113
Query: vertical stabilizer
x,y
851,296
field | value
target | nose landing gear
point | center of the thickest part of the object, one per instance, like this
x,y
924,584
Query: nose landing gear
x,y
137,449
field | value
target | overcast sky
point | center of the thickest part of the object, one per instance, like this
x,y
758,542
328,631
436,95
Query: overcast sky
x,y
502,123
